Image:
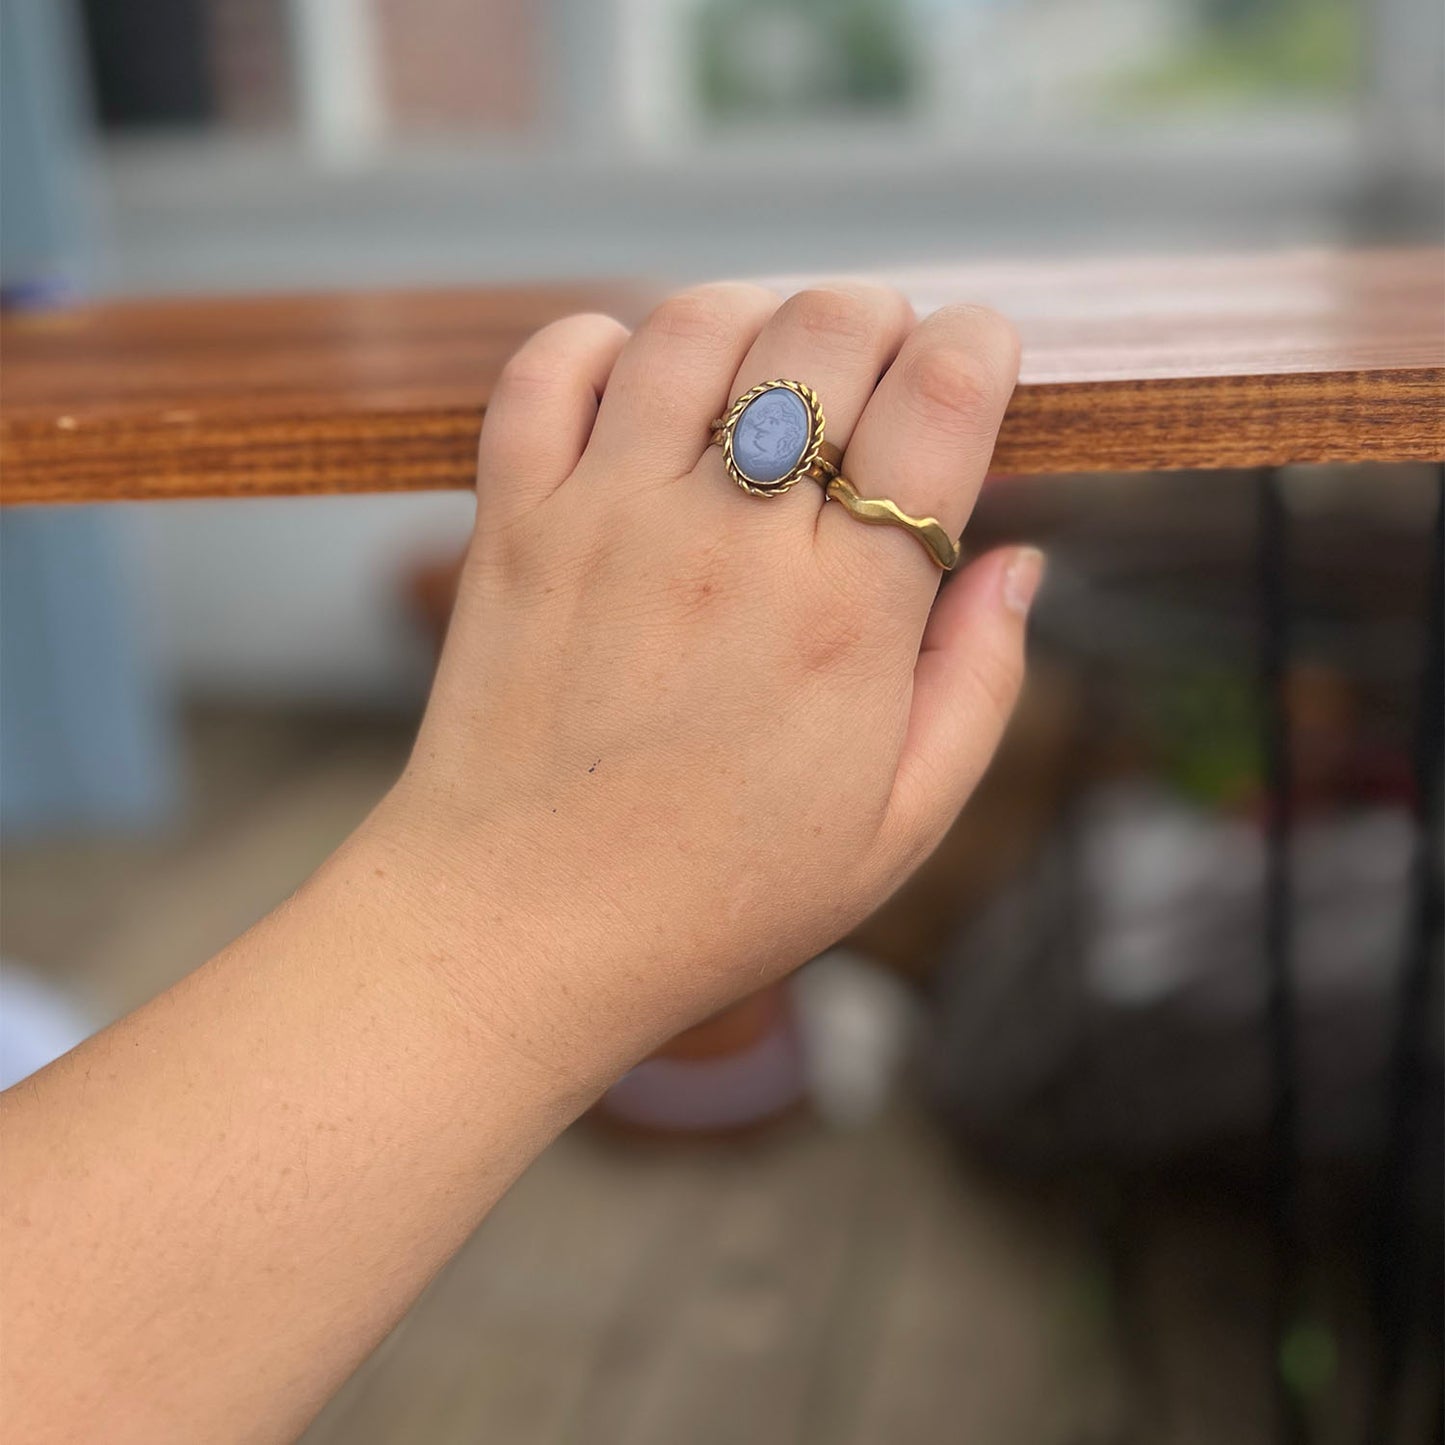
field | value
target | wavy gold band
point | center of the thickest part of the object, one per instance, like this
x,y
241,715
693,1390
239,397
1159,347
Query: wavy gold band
x,y
880,512
782,442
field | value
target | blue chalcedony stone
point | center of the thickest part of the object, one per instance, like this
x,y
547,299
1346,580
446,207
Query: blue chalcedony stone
x,y
771,435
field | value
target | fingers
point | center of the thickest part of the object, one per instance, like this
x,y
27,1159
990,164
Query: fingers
x,y
965,684
836,339
541,413
672,378
925,438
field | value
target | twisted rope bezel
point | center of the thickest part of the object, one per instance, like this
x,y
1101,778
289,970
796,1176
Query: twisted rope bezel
x,y
723,427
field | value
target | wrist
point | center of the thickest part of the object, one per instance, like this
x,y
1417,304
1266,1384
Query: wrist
x,y
466,916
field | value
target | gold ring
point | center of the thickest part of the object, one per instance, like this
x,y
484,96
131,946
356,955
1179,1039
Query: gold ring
x,y
772,437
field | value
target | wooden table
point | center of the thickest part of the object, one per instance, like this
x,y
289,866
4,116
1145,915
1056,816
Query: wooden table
x,y
1128,365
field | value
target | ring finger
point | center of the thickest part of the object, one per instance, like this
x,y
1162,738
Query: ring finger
x,y
838,340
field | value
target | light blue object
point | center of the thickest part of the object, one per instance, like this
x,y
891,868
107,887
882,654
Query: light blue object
x,y
48,210
37,1024
771,435
86,736
86,729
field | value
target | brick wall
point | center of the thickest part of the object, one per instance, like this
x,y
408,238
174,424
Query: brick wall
x,y
464,66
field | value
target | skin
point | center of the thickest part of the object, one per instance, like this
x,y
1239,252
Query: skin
x,y
681,740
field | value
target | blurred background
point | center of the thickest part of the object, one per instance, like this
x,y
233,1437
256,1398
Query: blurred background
x,y
1002,1167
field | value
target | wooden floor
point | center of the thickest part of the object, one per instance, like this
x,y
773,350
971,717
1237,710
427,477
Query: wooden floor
x,y
867,1287
814,1287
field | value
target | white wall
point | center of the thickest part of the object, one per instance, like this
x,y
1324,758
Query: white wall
x,y
301,598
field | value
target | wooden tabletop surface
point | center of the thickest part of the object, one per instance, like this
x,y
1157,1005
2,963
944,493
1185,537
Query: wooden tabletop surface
x,y
1128,365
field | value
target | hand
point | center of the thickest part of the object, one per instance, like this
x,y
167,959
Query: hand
x,y
683,738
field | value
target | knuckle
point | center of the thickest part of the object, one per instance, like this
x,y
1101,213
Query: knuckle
x,y
547,363
988,330
954,389
700,317
583,330
529,374
840,319
834,631
743,295
829,641
499,553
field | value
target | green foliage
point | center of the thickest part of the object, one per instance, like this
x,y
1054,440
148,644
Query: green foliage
x,y
857,57
1258,50
1205,732
1308,1358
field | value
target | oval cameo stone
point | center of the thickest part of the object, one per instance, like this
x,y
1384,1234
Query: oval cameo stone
x,y
771,435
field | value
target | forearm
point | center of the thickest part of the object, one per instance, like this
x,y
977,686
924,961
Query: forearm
x,y
216,1207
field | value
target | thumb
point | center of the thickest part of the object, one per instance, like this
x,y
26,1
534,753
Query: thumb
x,y
965,683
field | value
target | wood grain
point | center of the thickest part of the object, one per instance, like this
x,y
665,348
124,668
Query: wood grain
x,y
1143,365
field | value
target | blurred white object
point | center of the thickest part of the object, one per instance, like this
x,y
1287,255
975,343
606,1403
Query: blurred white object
x,y
1175,898
37,1024
857,1022
342,111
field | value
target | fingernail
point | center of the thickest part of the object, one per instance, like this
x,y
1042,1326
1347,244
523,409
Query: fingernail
x,y
1021,579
